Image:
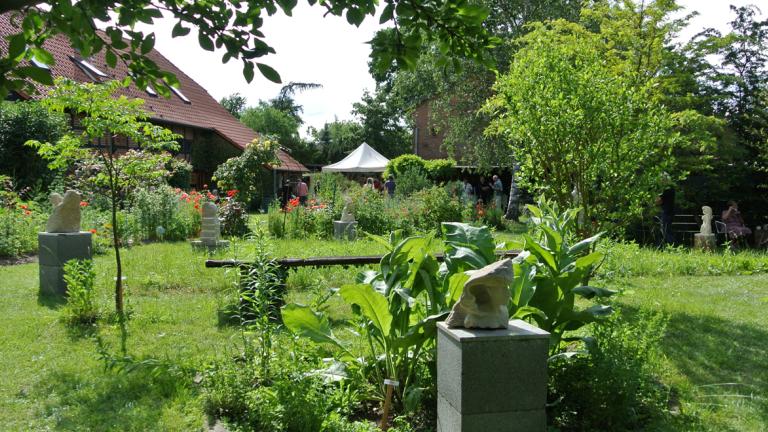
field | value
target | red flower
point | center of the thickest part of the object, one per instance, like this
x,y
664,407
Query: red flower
x,y
211,196
184,196
27,212
231,193
197,206
294,202
83,204
92,230
23,206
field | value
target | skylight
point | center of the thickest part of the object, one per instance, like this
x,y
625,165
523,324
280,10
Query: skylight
x,y
181,96
89,68
151,91
39,64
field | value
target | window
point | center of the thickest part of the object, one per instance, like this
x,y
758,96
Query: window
x,y
39,64
92,71
150,91
178,93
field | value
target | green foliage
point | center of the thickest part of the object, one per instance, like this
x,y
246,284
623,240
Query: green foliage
x,y
336,139
81,308
576,122
180,173
163,207
616,384
268,120
440,170
397,307
234,218
20,122
296,221
18,229
234,103
243,173
555,270
411,180
398,165
382,127
101,114
453,24
433,206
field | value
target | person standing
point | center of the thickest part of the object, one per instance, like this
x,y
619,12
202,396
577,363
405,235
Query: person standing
x,y
389,185
302,191
486,192
498,192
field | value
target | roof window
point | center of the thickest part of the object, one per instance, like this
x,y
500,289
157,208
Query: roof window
x,y
39,64
151,91
91,70
178,93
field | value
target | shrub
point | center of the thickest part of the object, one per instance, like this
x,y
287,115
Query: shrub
x,y
616,385
411,180
81,306
433,207
180,173
234,218
402,163
440,170
177,212
19,226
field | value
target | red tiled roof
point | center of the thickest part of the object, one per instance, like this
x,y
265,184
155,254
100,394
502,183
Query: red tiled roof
x,y
203,111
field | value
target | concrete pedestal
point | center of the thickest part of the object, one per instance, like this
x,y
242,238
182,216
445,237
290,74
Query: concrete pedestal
x,y
704,241
209,244
344,230
492,380
55,250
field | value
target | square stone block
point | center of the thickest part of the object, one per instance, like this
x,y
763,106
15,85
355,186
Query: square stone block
x,y
492,371
451,420
52,280
55,249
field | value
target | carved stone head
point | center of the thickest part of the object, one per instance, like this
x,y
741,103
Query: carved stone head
x,y
483,303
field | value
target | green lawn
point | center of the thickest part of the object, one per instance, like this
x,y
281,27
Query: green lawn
x,y
50,378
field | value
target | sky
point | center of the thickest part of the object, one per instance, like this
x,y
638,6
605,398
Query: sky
x,y
331,52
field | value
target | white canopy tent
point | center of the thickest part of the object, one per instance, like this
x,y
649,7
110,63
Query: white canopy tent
x,y
363,159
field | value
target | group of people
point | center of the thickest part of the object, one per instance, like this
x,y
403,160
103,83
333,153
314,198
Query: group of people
x,y
484,192
375,184
735,227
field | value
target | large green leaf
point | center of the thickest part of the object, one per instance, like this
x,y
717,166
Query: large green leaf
x,y
455,285
540,252
478,238
584,244
373,305
523,285
462,258
305,322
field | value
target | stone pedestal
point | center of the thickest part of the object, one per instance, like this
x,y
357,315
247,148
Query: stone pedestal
x,y
344,230
492,380
211,229
706,242
55,250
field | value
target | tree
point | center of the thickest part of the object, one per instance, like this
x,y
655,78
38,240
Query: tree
x,y
20,122
235,26
383,125
104,116
268,120
243,173
285,102
234,103
584,132
336,139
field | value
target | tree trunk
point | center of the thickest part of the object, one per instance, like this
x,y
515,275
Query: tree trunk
x,y
513,205
116,241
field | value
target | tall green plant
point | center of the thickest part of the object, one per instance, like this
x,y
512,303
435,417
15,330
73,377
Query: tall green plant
x,y
102,115
81,303
560,267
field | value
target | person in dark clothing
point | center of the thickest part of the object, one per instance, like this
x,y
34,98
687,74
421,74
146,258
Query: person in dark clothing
x,y
389,185
667,203
486,191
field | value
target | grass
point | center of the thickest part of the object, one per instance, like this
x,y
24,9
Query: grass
x,y
716,346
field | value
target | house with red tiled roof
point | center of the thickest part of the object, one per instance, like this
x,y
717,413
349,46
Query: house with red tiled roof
x,y
210,134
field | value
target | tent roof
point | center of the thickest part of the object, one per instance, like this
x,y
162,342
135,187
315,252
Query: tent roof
x,y
362,159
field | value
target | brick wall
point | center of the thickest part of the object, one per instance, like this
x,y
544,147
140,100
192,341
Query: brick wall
x,y
428,140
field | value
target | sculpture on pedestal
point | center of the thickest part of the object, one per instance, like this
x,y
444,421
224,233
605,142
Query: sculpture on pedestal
x,y
483,303
346,212
65,217
706,220
211,228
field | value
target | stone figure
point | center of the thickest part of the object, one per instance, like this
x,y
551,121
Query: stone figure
x,y
211,226
706,218
483,303
346,212
65,217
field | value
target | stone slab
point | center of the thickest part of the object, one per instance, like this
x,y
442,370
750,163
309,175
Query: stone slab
x,y
344,230
52,280
451,420
492,371
210,245
58,248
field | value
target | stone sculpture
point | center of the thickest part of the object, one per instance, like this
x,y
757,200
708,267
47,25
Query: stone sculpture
x,y
211,226
346,212
706,219
65,217
483,303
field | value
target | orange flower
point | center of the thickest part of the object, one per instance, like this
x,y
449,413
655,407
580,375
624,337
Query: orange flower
x,y
27,212
197,206
92,230
83,204
23,206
